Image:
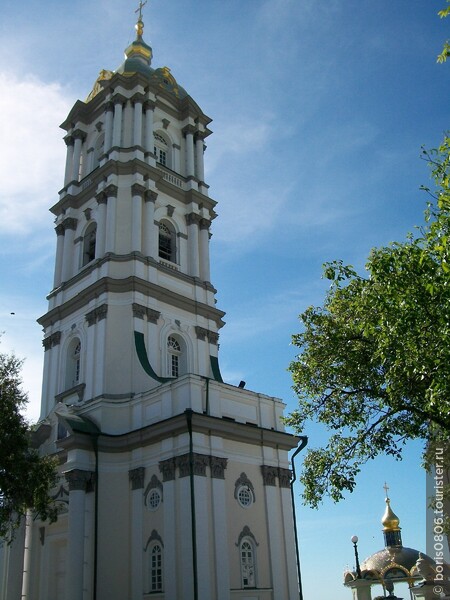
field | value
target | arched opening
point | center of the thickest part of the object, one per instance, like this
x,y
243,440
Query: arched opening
x,y
176,356
156,568
89,242
167,247
73,363
247,558
162,150
99,150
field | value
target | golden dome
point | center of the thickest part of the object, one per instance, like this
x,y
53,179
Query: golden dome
x,y
390,521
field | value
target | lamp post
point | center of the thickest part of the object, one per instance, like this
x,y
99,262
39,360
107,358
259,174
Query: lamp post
x,y
354,541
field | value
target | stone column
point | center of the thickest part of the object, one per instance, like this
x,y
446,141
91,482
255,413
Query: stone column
x,y
136,477
110,237
137,192
78,136
69,224
149,142
284,479
78,481
204,250
176,158
138,100
219,517
109,113
199,147
101,225
26,573
59,255
189,135
117,125
277,550
69,159
192,221
150,231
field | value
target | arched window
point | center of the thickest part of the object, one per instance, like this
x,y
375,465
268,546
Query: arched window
x,y
174,348
167,242
247,557
73,366
89,242
156,568
99,150
161,150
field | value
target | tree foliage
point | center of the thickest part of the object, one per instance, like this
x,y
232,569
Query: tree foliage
x,y
25,477
442,57
374,362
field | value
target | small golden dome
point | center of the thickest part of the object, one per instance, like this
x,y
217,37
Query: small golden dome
x,y
390,521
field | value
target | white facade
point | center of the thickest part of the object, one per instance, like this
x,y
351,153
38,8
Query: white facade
x,y
174,485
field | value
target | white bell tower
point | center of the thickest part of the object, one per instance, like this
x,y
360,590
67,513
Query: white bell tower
x,y
173,484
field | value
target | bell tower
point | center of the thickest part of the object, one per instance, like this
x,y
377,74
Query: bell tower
x,y
133,226
173,484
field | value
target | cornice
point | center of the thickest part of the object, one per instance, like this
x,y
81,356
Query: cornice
x,y
107,285
88,186
175,426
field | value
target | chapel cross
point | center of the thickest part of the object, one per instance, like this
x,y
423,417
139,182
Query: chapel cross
x,y
139,9
386,489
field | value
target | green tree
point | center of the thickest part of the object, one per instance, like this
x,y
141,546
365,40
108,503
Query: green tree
x,y
25,477
442,57
374,361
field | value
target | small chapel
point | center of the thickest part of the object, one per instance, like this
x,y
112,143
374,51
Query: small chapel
x,y
173,484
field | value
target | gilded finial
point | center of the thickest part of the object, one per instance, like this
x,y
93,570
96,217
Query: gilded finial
x,y
390,521
140,24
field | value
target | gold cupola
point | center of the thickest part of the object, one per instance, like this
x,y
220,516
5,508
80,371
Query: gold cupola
x,y
390,522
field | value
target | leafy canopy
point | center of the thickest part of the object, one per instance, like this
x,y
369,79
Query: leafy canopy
x,y
25,477
374,362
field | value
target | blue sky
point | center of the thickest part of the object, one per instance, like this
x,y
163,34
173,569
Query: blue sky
x,y
319,113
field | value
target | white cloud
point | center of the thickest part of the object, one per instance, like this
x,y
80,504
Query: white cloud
x,y
32,153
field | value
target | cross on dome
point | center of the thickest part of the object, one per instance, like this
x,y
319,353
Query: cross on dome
x,y
139,9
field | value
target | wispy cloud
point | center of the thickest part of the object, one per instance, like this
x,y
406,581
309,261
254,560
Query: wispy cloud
x,y
31,153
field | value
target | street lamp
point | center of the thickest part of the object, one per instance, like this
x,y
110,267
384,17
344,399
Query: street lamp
x,y
354,541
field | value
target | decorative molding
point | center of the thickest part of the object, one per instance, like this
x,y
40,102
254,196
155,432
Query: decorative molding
x,y
246,532
154,484
149,105
79,480
243,480
137,189
284,477
167,468
154,537
88,213
136,477
170,210
150,196
213,337
199,463
101,197
201,332
138,98
98,314
193,219
218,466
140,311
269,475
69,223
51,340
205,224
59,229
79,134
205,334
165,123
111,191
